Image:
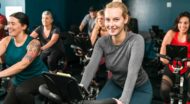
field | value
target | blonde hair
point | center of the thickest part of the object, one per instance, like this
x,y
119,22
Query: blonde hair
x,y
118,5
116,0
101,12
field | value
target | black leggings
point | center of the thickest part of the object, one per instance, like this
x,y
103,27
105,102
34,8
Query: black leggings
x,y
24,93
166,86
51,58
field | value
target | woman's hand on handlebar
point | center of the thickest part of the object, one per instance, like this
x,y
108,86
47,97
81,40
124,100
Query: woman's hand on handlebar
x,y
165,61
118,101
188,64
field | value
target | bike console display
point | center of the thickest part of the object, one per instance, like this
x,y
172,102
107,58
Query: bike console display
x,y
176,52
64,86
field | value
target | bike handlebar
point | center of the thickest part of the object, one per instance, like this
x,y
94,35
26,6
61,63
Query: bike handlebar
x,y
185,59
84,90
170,59
43,89
178,65
163,56
75,47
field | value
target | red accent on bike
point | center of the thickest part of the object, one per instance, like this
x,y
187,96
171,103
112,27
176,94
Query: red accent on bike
x,y
188,102
182,71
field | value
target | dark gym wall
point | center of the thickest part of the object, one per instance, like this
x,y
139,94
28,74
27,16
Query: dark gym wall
x,y
155,12
34,9
66,12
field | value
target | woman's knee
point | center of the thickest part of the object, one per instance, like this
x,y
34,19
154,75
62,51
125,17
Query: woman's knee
x,y
21,92
110,90
53,59
165,90
52,64
142,94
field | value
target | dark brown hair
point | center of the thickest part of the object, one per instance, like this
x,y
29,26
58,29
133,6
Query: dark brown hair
x,y
175,27
22,18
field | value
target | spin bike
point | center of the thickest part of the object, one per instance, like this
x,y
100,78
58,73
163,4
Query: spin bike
x,y
177,55
62,88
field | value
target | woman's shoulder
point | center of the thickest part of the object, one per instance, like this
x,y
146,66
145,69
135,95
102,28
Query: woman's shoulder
x,y
133,35
103,39
5,41
170,34
40,27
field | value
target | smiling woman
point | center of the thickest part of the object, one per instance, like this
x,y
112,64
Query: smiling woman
x,y
24,65
178,35
99,28
49,36
129,83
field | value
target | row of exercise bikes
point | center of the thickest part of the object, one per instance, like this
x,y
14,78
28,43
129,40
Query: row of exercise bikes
x,y
63,88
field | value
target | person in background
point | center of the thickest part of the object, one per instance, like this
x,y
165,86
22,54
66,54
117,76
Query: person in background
x,y
98,31
52,45
89,21
21,53
178,35
3,33
129,83
3,23
99,28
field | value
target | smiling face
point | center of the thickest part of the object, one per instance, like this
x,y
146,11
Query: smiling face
x,y
46,20
15,27
115,21
100,20
183,24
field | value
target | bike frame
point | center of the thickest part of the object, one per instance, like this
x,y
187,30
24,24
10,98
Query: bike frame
x,y
177,94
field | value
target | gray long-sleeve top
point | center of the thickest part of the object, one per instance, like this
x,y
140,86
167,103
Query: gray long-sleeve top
x,y
124,61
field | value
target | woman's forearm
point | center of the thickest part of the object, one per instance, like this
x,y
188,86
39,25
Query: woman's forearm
x,y
14,69
49,44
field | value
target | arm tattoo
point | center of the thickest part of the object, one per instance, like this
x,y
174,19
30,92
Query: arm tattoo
x,y
33,50
29,58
